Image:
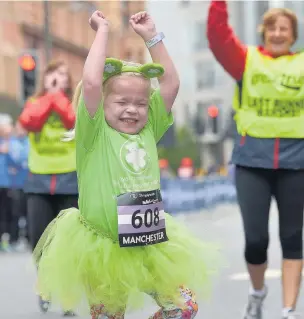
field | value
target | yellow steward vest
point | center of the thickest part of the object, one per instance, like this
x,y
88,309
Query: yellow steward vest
x,y
48,154
270,101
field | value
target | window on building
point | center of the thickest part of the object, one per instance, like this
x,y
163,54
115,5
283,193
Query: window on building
x,y
220,74
201,41
300,41
185,3
128,55
141,56
298,6
11,68
125,10
205,75
200,109
262,7
198,119
240,8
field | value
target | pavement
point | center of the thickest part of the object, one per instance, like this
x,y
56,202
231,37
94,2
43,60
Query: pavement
x,y
230,287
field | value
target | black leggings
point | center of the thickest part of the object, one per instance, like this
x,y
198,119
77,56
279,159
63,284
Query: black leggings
x,y
42,209
5,211
18,209
255,188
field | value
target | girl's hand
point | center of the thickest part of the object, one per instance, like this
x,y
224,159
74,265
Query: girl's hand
x,y
98,20
143,25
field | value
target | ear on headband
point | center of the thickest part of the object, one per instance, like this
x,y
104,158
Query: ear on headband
x,y
114,66
152,70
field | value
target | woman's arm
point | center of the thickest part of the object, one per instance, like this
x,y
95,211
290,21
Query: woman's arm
x,y
225,45
36,113
64,108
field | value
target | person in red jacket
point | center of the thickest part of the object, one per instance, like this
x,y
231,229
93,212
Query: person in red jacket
x,y
186,169
52,182
268,158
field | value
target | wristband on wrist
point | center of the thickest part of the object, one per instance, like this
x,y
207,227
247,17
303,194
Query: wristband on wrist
x,y
159,37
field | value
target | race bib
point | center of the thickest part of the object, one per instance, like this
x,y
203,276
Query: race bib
x,y
141,219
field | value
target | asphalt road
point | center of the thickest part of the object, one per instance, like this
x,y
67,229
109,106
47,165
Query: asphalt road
x,y
223,225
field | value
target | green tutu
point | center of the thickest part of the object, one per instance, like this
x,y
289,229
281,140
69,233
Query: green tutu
x,y
76,264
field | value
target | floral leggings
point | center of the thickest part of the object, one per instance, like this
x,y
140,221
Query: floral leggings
x,y
187,310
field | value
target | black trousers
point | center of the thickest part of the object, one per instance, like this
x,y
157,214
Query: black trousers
x,y
18,210
42,209
5,211
255,188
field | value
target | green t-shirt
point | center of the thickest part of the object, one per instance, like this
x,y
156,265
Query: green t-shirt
x,y
110,163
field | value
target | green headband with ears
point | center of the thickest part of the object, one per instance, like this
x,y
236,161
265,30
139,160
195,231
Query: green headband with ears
x,y
114,67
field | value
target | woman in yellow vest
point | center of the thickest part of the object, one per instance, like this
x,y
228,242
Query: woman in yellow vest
x,y
269,148
52,183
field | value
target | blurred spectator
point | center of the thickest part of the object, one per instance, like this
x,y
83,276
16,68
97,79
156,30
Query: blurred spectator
x,y
18,172
186,169
5,133
212,169
52,182
165,171
231,172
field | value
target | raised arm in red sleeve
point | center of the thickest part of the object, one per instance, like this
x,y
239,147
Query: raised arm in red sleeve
x,y
35,113
63,106
226,47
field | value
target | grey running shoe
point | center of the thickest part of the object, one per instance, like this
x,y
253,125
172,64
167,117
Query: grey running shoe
x,y
44,305
69,314
254,306
292,315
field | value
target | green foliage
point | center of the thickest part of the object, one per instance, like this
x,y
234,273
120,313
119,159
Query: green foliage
x,y
9,106
186,146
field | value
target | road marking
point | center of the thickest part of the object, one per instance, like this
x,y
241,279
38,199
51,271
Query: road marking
x,y
270,274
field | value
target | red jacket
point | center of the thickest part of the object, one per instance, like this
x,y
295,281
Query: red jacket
x,y
37,111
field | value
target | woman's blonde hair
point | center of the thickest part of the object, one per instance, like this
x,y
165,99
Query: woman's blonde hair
x,y
271,16
69,136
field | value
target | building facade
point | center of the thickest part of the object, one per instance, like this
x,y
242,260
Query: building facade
x,y
177,44
203,81
207,84
23,28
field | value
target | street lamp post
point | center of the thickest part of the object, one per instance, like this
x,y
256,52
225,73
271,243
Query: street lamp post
x,y
75,6
47,34
88,6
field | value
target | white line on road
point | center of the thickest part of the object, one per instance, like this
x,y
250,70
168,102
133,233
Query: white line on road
x,y
270,274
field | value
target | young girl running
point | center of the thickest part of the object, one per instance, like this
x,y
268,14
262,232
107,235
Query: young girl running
x,y
121,242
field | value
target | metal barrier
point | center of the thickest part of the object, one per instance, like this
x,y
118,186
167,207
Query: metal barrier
x,y
195,195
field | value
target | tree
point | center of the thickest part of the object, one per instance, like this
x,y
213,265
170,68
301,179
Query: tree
x,y
186,146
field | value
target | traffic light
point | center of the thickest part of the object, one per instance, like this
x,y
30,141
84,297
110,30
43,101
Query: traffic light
x,y
28,75
213,113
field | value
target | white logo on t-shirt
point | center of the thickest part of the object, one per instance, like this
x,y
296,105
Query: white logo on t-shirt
x,y
134,156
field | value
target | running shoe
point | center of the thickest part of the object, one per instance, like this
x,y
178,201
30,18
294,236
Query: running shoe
x,y
255,306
